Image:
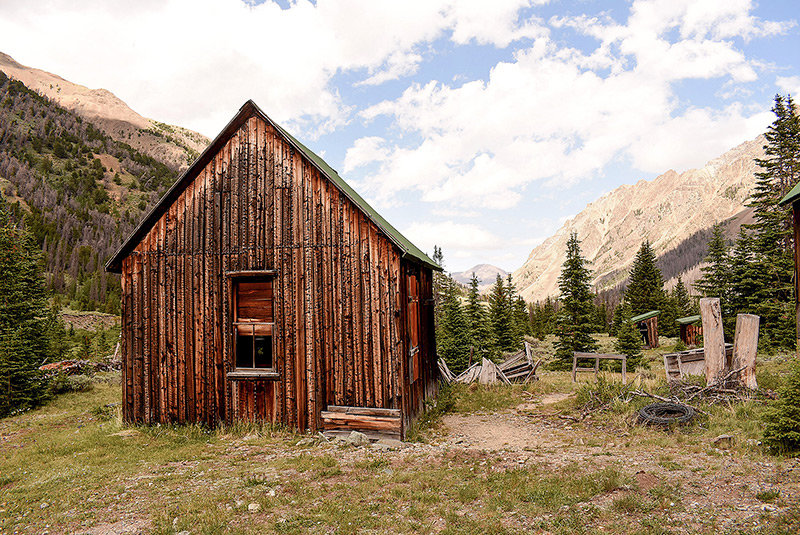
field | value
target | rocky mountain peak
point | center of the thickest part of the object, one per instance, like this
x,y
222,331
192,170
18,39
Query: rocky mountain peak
x,y
665,211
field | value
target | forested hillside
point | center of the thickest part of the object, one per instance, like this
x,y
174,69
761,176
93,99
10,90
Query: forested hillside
x,y
78,191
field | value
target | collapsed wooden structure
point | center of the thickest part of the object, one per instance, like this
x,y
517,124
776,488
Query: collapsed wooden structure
x,y
262,287
682,364
717,360
517,368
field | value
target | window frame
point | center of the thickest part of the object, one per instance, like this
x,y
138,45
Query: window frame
x,y
237,372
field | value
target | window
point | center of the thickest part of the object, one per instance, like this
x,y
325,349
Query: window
x,y
253,324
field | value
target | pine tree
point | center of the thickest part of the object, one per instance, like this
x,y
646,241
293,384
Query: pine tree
x,y
518,310
575,318
23,315
522,320
763,282
438,284
782,429
476,319
452,335
683,301
629,340
500,319
780,171
645,291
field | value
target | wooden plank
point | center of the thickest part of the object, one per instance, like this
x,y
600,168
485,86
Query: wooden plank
x,y
713,338
357,421
365,411
745,347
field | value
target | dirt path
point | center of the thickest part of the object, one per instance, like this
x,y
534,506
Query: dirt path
x,y
707,481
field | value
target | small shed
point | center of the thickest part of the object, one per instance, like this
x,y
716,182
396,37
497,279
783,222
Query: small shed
x,y
262,287
691,328
793,198
647,324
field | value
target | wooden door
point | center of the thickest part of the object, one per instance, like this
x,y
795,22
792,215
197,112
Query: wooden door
x,y
413,328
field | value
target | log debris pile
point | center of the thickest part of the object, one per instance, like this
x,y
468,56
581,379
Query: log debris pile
x,y
518,368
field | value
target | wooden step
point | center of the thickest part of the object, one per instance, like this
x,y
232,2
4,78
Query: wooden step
x,y
372,421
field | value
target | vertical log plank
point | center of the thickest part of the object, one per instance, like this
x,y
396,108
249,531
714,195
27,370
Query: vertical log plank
x,y
745,347
713,338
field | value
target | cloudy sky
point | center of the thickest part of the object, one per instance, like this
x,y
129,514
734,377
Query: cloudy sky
x,y
477,125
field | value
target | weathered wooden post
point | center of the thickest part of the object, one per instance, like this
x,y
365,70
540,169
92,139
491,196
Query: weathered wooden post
x,y
745,347
713,338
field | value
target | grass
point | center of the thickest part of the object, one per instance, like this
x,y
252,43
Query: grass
x,y
72,465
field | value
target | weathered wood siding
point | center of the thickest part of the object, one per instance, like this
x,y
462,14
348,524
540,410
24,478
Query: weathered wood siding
x,y
340,301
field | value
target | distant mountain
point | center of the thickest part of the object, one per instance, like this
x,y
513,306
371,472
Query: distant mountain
x,y
486,273
76,189
669,211
172,145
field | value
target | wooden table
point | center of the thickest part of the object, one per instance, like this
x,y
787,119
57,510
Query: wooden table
x,y
597,358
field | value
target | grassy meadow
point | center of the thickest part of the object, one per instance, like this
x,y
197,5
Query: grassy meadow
x,y
73,467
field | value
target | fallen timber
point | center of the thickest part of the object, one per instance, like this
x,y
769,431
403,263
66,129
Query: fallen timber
x,y
517,368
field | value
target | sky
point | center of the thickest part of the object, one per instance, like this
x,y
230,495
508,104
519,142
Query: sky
x,y
478,126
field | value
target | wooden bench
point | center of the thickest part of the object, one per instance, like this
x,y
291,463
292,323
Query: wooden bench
x,y
376,423
597,358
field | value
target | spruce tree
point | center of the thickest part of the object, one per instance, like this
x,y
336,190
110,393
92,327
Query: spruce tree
x,y
438,284
767,288
715,281
629,340
476,319
452,335
23,319
645,291
500,319
518,310
683,301
779,172
782,429
575,321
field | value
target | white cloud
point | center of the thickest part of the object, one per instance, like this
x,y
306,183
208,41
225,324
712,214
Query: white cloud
x,y
557,114
452,236
193,61
365,150
789,84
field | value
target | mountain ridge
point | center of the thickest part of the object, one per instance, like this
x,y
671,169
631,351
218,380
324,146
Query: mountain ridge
x,y
173,145
486,273
665,210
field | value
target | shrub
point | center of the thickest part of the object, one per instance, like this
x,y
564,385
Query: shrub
x,y
782,430
62,384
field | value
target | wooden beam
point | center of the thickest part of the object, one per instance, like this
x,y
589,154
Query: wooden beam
x,y
713,338
745,347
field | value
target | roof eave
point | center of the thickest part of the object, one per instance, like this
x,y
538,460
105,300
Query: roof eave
x,y
248,109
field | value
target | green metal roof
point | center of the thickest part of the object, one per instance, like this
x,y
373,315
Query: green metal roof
x,y
248,110
645,316
792,195
688,320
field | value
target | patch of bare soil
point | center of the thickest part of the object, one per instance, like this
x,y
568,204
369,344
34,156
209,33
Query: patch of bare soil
x,y
120,527
699,480
90,321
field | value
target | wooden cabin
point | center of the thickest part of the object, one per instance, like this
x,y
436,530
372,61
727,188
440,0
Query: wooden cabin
x,y
691,328
793,198
262,287
647,324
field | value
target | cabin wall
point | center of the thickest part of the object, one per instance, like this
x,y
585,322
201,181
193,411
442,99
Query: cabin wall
x,y
338,297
